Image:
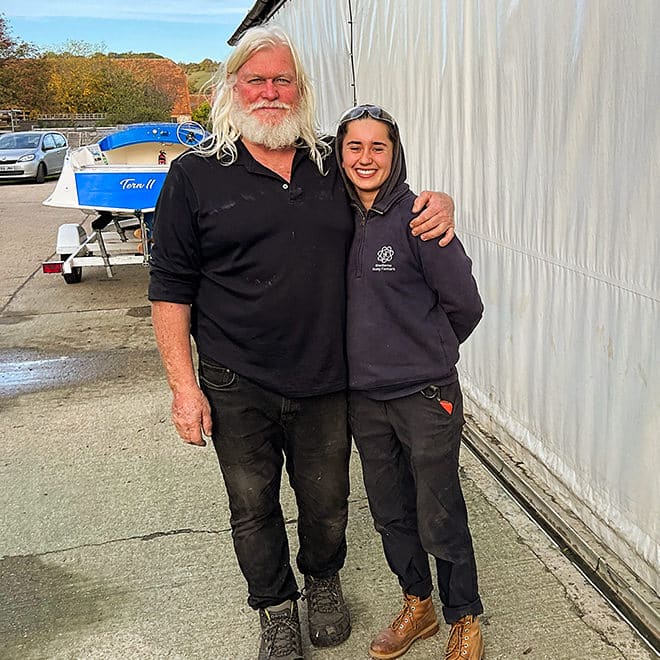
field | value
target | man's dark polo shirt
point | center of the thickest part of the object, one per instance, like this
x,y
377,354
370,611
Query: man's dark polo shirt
x,y
263,263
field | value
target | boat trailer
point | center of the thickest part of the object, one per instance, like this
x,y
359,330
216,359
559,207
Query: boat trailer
x,y
116,239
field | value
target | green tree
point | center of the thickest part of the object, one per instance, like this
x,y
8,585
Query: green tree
x,y
79,83
135,56
77,48
201,113
24,84
24,73
100,84
79,78
132,101
10,47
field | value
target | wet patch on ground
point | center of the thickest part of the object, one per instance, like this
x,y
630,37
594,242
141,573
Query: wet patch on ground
x,y
41,601
26,370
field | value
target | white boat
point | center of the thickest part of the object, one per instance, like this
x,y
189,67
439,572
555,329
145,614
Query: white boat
x,y
118,179
124,171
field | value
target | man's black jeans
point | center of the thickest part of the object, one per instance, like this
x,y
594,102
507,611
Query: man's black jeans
x,y
409,450
253,431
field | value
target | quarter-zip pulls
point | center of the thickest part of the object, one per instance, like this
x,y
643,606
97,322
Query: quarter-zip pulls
x,y
361,235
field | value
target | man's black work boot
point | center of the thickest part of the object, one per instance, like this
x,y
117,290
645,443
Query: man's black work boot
x,y
329,620
280,634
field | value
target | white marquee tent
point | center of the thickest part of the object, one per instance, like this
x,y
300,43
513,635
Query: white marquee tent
x,y
541,119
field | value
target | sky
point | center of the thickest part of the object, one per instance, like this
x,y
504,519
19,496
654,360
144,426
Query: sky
x,y
183,30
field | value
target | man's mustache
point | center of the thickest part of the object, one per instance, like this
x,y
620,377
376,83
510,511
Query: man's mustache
x,y
269,104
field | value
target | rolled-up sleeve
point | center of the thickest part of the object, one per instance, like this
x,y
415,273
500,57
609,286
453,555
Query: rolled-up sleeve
x,y
175,256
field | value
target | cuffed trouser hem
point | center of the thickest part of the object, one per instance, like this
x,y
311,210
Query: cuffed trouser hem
x,y
418,590
453,614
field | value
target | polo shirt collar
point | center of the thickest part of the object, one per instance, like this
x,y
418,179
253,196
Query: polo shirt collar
x,y
247,160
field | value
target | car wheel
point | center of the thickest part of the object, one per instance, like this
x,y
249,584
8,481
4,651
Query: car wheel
x,y
41,174
76,272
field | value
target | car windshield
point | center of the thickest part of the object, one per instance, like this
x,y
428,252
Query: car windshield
x,y
13,141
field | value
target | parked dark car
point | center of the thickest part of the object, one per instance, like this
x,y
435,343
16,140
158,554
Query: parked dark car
x,y
32,155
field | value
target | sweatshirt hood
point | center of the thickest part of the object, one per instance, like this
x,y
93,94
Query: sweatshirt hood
x,y
395,185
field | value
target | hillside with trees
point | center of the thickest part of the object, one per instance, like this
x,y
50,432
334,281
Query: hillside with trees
x,y
126,87
199,74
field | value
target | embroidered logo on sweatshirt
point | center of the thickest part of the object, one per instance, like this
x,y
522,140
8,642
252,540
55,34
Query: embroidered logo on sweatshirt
x,y
384,256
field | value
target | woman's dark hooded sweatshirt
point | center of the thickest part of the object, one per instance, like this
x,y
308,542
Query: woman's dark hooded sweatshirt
x,y
410,302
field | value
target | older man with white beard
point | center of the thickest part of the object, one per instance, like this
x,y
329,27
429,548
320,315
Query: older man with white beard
x,y
252,233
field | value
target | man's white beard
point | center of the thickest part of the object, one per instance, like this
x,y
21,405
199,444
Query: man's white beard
x,y
276,136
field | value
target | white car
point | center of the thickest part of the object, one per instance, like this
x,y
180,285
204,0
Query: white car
x,y
32,155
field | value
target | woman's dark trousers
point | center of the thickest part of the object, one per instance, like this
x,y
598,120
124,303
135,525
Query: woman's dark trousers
x,y
409,450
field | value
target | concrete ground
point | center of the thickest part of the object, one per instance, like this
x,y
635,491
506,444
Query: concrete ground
x,y
115,539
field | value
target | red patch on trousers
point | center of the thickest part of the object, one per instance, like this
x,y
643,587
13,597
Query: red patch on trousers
x,y
447,405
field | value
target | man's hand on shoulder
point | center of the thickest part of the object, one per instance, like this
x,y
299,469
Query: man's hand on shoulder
x,y
436,218
191,414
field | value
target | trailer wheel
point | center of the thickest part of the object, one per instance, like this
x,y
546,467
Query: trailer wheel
x,y
76,272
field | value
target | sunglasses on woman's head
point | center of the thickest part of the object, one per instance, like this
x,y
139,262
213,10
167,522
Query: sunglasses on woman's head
x,y
373,111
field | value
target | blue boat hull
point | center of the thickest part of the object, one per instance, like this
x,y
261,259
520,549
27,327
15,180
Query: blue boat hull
x,y
117,191
123,172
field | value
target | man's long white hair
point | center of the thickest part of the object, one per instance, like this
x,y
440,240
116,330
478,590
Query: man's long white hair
x,y
222,145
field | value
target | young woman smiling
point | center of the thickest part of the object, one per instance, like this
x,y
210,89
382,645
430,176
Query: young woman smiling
x,y
409,308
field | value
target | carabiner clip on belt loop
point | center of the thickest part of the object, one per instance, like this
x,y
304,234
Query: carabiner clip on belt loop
x,y
430,392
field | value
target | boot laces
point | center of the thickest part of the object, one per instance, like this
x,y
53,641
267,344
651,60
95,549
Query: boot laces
x,y
406,615
280,634
459,637
323,594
